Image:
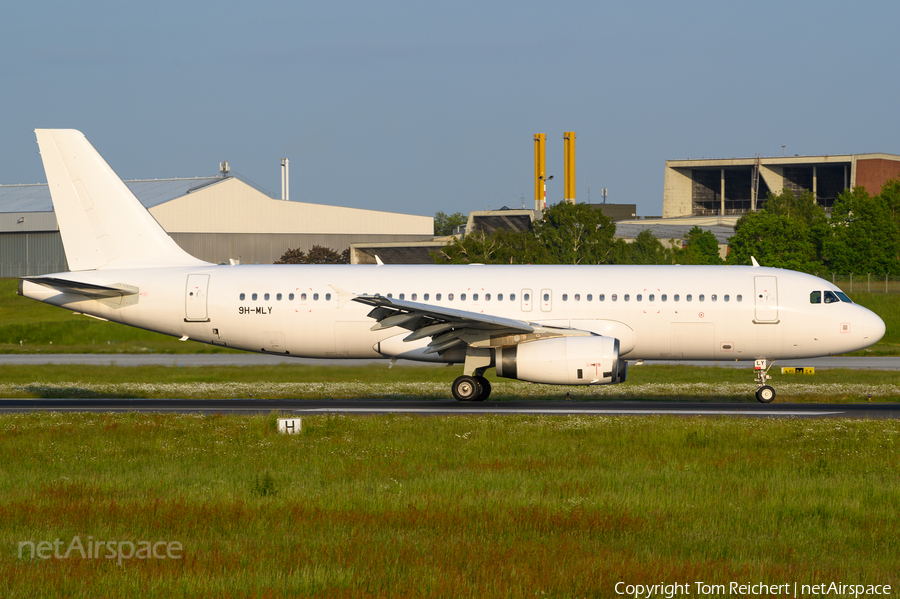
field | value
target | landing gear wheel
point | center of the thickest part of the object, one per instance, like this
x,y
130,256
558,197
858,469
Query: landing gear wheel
x,y
466,388
485,388
765,394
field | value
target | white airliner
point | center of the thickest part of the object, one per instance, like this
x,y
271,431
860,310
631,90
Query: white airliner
x,y
566,325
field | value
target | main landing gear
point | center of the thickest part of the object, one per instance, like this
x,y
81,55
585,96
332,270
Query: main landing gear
x,y
764,393
471,388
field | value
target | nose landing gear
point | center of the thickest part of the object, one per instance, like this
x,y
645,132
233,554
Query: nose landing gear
x,y
764,393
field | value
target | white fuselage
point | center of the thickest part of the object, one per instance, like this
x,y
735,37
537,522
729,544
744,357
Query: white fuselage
x,y
656,312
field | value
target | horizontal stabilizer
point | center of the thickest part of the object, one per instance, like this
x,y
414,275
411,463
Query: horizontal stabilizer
x,y
86,289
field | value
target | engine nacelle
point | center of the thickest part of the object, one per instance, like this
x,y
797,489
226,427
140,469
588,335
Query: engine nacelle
x,y
592,360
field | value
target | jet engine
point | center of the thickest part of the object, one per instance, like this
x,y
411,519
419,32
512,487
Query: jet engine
x,y
591,360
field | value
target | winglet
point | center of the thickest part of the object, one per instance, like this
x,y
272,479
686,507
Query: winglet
x,y
378,261
754,262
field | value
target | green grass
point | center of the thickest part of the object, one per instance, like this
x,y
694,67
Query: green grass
x,y
663,383
401,506
27,326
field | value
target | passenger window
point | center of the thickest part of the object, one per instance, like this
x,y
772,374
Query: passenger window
x,y
414,296
243,296
449,297
830,297
546,297
462,297
565,297
253,297
474,297
676,297
499,297
713,297
512,297
487,297
663,297
303,297
688,297
327,297
627,297
639,297
278,297
438,297
266,297
652,297
701,297
290,297
402,296
390,295
726,298
613,297
425,297
590,297
577,297
315,297
739,298
527,297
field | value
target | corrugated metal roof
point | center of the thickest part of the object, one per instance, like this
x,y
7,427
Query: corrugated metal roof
x,y
677,228
150,192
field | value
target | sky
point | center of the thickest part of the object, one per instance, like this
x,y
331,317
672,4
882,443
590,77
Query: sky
x,y
419,107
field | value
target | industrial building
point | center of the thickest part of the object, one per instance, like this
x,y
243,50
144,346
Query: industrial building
x,y
734,186
216,219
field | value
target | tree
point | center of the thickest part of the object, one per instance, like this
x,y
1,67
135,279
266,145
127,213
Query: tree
x,y
504,246
701,247
645,249
296,256
864,235
774,240
317,255
575,234
789,232
445,225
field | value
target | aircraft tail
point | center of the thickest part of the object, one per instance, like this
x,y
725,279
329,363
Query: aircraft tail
x,y
102,224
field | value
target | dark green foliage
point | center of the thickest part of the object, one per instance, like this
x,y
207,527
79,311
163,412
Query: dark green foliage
x,y
788,233
317,255
445,225
701,247
568,234
264,486
865,232
575,234
645,249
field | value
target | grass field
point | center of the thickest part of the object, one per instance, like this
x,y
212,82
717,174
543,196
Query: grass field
x,y
27,326
399,506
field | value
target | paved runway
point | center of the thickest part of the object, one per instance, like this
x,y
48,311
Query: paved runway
x,y
250,359
596,408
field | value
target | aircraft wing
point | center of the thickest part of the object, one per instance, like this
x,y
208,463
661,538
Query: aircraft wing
x,y
449,327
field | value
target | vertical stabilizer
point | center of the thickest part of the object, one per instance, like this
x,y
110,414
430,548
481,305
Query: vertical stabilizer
x,y
101,223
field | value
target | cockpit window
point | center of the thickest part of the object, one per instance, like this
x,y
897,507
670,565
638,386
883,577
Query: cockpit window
x,y
830,297
844,297
815,297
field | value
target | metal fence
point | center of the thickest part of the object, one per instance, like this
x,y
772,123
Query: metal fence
x,y
865,282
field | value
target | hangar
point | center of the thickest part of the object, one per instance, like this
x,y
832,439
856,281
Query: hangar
x,y
216,219
735,186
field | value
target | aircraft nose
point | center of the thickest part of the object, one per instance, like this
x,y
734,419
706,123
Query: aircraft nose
x,y
873,328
